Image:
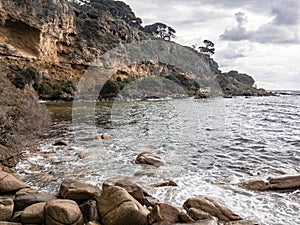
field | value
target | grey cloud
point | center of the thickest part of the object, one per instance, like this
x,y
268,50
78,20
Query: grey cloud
x,y
268,33
286,13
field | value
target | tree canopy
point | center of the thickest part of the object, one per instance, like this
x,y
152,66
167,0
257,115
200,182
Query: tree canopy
x,y
160,30
208,48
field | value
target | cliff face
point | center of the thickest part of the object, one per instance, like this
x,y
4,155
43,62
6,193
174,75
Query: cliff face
x,y
53,42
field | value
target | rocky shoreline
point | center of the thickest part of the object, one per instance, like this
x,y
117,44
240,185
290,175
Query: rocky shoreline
x,y
119,201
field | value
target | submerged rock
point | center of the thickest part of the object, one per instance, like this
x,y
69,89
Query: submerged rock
x,y
149,159
104,136
118,207
255,185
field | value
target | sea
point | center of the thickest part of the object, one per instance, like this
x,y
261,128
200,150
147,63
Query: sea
x,y
208,145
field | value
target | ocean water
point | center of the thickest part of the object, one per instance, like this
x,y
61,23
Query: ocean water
x,y
208,145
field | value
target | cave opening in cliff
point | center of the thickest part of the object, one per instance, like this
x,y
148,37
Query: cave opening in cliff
x,y
23,37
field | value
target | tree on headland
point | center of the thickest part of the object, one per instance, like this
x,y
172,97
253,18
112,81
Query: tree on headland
x,y
208,48
160,30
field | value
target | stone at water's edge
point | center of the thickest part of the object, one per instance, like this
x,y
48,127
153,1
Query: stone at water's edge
x,y
9,223
6,208
33,214
149,159
241,222
118,207
135,187
198,214
164,214
285,182
63,211
254,185
23,201
77,190
9,183
212,206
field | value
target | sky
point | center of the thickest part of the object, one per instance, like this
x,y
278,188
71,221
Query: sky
x,y
257,37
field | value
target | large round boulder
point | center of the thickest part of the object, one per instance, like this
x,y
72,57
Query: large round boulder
x,y
33,214
118,207
63,211
77,190
135,187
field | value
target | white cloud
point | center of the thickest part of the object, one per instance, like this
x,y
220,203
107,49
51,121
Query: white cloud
x,y
260,38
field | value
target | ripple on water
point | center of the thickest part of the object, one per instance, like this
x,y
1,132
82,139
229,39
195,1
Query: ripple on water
x,y
209,146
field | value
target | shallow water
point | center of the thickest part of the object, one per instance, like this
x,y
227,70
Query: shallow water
x,y
208,145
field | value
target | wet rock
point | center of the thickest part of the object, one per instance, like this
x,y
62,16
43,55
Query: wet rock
x,y
151,201
63,211
118,207
132,185
164,214
26,191
33,214
9,223
60,143
254,185
89,210
212,206
104,136
93,223
6,208
241,222
23,201
165,184
285,182
211,221
198,214
149,159
83,155
77,190
9,183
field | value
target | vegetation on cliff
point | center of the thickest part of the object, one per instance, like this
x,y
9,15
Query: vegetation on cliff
x,y
22,119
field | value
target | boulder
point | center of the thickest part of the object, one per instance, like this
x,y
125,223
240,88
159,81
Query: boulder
x,y
9,183
165,184
23,201
149,159
6,208
93,223
62,211
77,190
26,191
89,210
254,185
9,223
212,206
198,214
285,182
135,187
163,214
33,214
117,207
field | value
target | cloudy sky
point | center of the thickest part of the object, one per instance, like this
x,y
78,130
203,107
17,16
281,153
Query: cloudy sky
x,y
257,37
